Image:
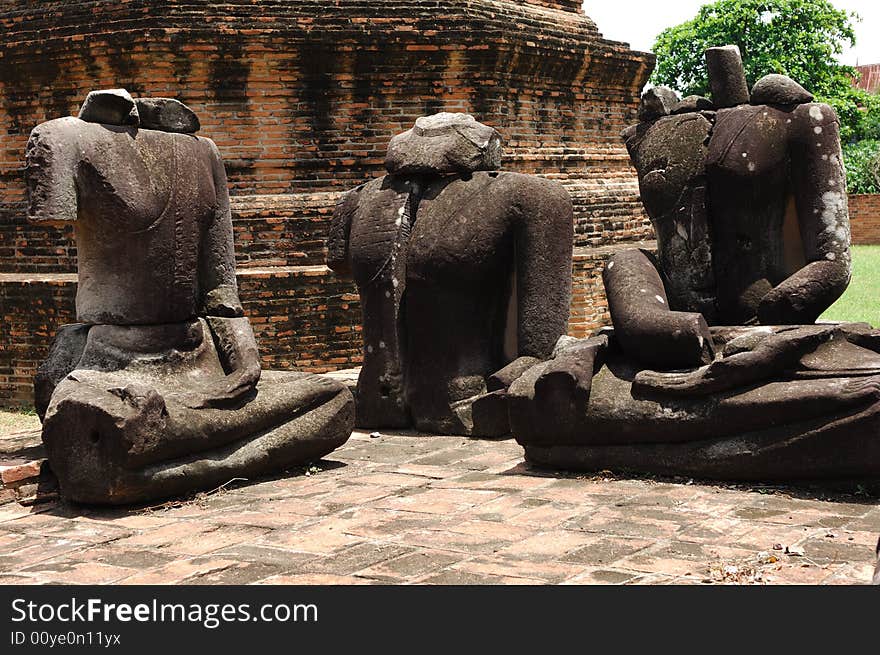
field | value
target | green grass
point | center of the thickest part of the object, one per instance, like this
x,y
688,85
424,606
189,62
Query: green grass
x,y
18,420
860,302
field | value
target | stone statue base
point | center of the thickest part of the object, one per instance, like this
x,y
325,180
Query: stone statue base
x,y
138,429
780,403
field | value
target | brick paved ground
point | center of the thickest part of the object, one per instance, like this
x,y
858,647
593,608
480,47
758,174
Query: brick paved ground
x,y
403,508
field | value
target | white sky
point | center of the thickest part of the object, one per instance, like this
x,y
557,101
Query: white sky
x,y
638,22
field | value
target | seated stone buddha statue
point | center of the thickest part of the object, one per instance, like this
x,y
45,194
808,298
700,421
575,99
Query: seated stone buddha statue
x,y
464,274
715,366
157,390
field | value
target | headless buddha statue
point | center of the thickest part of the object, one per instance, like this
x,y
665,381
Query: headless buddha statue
x,y
464,275
158,391
715,366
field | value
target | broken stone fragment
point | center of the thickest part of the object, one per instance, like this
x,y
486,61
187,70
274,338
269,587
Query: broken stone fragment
x,y
167,115
657,101
779,90
692,104
443,144
727,77
110,107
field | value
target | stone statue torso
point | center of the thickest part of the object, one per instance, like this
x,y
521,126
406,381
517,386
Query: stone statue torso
x,y
139,224
747,168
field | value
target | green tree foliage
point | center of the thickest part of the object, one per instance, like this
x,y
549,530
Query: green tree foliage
x,y
798,38
862,166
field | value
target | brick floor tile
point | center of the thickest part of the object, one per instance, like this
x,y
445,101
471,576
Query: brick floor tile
x,y
826,550
458,576
73,572
180,570
605,551
870,522
372,523
714,530
264,515
437,501
137,560
439,539
132,521
866,538
504,508
488,529
33,549
239,574
860,574
351,559
548,571
764,536
414,565
393,480
320,538
802,574
550,515
316,579
279,558
551,545
88,531
491,481
12,511
420,470
616,522
600,576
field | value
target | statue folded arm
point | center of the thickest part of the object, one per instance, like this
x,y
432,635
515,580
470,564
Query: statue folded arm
x,y
819,187
646,327
220,305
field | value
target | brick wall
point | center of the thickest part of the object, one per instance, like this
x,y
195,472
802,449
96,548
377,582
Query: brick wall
x,y
302,97
306,315
864,216
869,79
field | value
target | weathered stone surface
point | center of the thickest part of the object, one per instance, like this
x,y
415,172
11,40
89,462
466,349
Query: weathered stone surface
x,y
158,390
778,213
167,115
110,107
114,444
64,355
733,419
669,155
752,227
690,104
779,90
459,275
444,144
645,326
727,78
656,102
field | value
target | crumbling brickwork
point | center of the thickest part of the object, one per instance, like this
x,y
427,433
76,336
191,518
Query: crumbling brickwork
x,y
302,97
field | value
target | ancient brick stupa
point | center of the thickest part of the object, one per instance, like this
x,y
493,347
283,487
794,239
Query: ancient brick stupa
x,y
302,97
